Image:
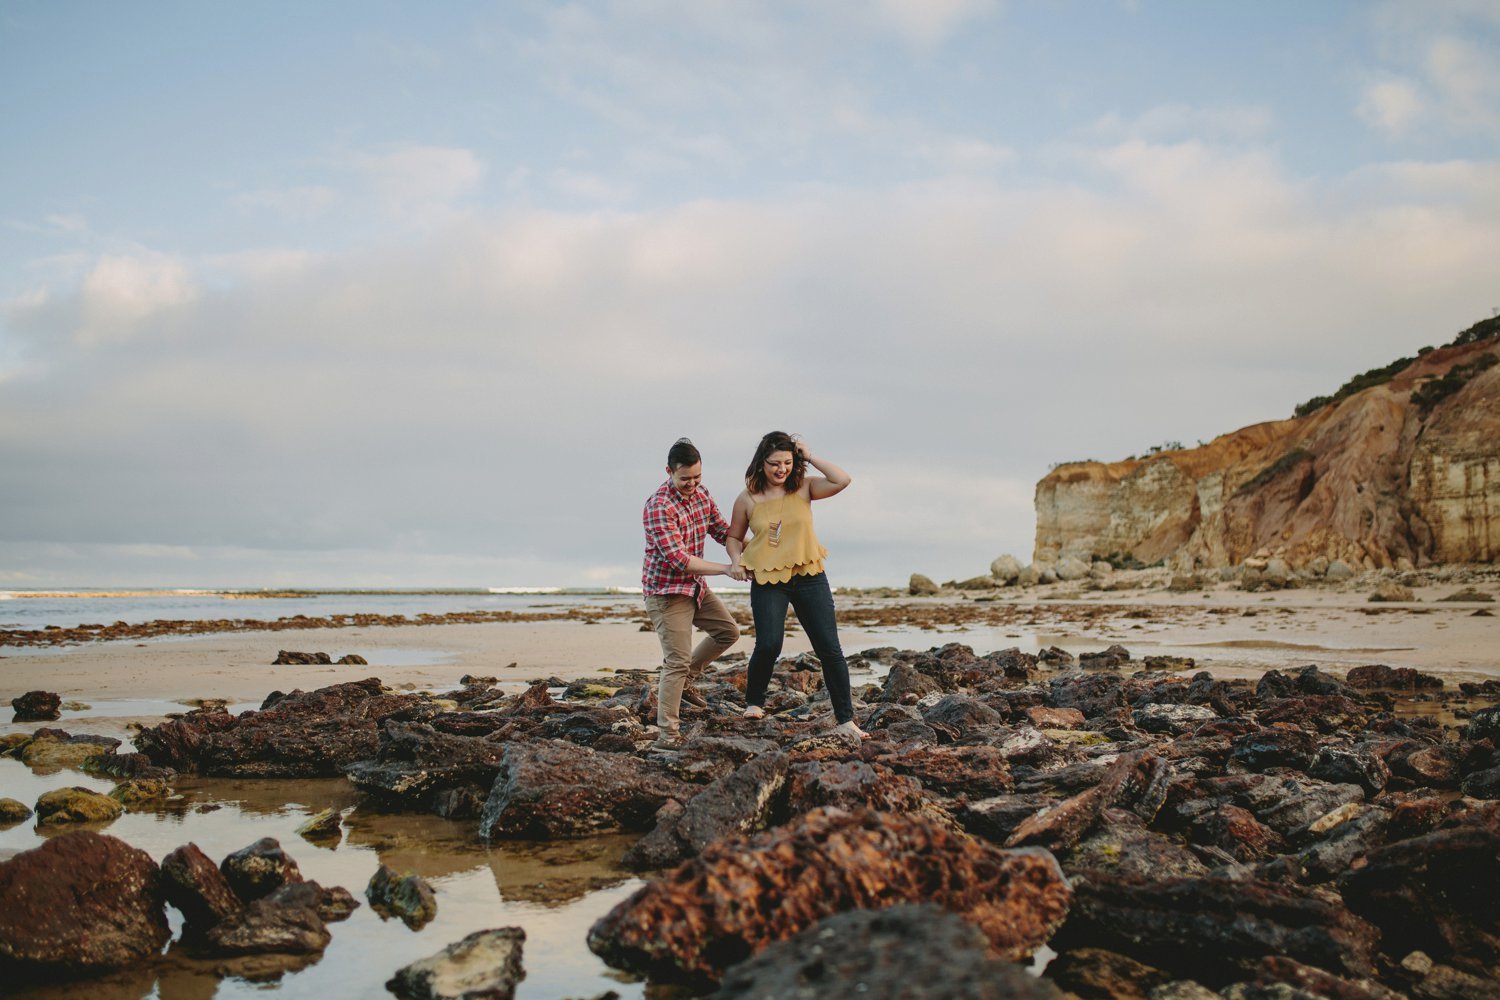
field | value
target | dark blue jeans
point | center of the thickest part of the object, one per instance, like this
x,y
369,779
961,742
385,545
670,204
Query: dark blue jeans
x,y
813,601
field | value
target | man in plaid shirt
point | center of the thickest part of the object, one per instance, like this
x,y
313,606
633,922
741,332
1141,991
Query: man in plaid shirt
x,y
677,517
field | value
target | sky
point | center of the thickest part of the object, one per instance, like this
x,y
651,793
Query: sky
x,y
398,294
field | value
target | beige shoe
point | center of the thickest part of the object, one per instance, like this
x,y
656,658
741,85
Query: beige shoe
x,y
851,728
691,697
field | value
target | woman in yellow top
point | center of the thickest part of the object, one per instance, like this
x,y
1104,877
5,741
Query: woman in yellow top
x,y
785,564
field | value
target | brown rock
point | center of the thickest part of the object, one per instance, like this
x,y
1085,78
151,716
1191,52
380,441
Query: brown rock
x,y
81,902
1216,930
195,885
1055,718
739,896
556,789
259,870
36,706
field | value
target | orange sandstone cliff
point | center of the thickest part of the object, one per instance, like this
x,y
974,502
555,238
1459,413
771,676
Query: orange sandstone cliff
x,y
1405,470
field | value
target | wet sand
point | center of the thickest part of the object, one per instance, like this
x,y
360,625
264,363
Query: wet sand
x,y
1226,631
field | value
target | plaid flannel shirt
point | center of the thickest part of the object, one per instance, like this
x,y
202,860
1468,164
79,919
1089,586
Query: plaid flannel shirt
x,y
675,527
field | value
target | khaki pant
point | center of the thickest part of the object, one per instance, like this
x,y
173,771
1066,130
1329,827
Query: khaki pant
x,y
673,616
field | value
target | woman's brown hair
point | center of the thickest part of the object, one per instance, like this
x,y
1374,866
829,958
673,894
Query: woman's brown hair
x,y
755,475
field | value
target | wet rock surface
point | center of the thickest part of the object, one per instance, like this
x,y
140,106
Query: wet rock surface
x,y
485,965
407,897
907,952
741,895
80,903
36,706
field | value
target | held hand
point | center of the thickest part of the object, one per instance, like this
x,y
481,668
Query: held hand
x,y
737,572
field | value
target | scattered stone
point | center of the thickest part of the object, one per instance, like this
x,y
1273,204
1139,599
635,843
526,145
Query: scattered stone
x,y
1005,569
921,586
259,870
1468,594
13,811
51,749
37,706
740,802
352,659
289,658
1390,590
270,925
75,805
140,793
406,896
1378,676
80,903
323,826
195,886
486,965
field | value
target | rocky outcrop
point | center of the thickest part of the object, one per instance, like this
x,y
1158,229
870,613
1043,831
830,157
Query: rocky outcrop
x,y
739,896
1404,470
484,964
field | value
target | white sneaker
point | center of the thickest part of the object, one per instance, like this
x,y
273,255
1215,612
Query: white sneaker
x,y
851,728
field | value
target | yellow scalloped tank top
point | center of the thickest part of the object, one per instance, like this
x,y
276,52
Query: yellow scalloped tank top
x,y
798,552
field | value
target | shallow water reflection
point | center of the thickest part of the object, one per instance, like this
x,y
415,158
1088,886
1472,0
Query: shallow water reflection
x,y
554,891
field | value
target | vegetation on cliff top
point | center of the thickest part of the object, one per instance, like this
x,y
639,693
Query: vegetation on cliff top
x,y
1482,330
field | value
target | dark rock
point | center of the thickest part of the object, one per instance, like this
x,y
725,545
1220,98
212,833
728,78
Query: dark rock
x,y
1380,676
1328,857
331,904
302,734
739,896
850,784
195,885
269,925
36,706
80,903
290,658
1484,725
1482,784
1091,694
1268,748
907,952
996,819
323,826
962,714
556,789
1329,713
1174,720
422,767
1215,930
1433,981
740,802
485,965
906,685
975,771
1276,974
127,765
259,870
406,896
1136,781
1094,972
1421,765
1120,844
1238,832
707,758
1437,892
1113,658
1343,765
353,659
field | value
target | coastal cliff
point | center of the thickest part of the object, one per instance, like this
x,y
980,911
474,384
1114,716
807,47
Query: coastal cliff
x,y
1405,470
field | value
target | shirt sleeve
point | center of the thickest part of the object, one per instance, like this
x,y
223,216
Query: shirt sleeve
x,y
718,528
664,534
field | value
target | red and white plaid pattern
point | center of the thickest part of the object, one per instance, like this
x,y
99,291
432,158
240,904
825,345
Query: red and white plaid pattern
x,y
675,528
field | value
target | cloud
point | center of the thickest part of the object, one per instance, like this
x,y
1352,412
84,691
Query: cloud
x,y
1176,122
490,395
421,180
1441,72
928,22
1393,106
302,202
123,292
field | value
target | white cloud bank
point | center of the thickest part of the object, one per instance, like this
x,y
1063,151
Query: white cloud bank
x,y
487,401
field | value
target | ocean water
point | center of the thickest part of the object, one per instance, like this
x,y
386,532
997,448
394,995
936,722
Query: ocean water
x,y
21,609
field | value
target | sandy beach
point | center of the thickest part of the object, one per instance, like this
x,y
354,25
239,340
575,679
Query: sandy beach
x,y
1226,631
